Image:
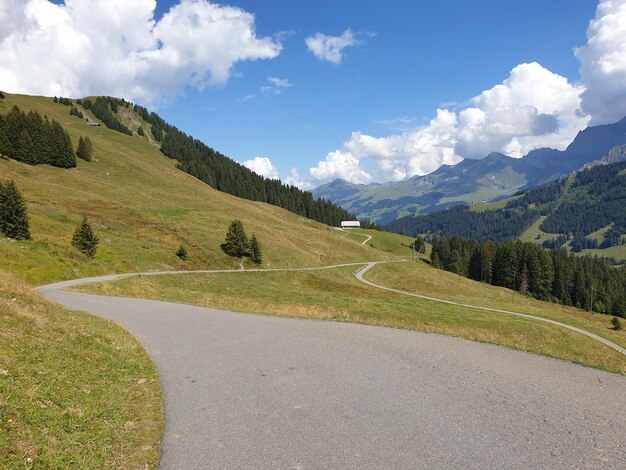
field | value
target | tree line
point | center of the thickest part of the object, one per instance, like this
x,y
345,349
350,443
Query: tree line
x,y
33,139
224,174
585,282
575,207
497,225
596,199
104,108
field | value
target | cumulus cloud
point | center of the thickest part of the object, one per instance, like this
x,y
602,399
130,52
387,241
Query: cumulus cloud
x,y
262,166
294,180
117,47
532,108
330,48
340,164
603,63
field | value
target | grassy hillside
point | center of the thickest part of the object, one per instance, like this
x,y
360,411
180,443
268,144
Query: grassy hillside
x,y
337,295
142,209
75,391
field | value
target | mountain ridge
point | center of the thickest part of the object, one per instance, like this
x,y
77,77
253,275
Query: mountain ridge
x,y
494,177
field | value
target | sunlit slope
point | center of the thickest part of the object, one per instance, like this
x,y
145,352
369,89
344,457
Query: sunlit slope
x,y
142,209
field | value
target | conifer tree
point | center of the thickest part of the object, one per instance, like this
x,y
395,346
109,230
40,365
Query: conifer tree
x,y
84,149
181,252
255,250
13,218
84,239
236,242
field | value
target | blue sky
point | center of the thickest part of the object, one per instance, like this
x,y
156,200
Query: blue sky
x,y
414,90
424,54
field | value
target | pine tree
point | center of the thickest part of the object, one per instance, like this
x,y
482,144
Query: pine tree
x,y
84,149
418,245
13,218
84,239
255,250
181,252
236,243
140,131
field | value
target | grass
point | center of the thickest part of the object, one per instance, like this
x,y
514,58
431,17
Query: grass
x,y
143,209
75,391
336,295
387,242
422,279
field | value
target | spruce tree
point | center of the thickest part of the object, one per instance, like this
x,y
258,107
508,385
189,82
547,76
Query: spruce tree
x,y
255,250
236,242
84,239
181,252
84,149
13,218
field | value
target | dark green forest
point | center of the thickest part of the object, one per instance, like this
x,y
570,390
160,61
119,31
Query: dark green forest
x,y
497,225
585,282
224,174
574,207
104,108
33,139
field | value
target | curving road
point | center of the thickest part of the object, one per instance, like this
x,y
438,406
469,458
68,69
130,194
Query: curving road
x,y
252,391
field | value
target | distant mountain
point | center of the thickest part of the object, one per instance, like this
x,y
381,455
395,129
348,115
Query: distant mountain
x,y
585,210
494,177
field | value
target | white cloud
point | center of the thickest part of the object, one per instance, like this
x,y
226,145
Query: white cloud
x,y
279,82
330,48
262,166
246,98
294,180
117,47
532,108
603,63
276,85
340,164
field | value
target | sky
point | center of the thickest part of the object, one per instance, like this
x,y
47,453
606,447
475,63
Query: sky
x,y
312,91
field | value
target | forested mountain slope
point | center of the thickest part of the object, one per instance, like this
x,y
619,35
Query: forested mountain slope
x,y
569,211
142,209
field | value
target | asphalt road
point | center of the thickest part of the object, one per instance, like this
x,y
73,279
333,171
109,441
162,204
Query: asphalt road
x,y
253,391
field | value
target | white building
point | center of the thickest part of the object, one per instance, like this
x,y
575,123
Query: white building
x,y
350,224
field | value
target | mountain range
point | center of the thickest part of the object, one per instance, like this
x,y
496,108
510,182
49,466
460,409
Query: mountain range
x,y
494,177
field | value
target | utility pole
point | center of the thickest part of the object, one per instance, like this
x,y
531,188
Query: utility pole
x,y
591,303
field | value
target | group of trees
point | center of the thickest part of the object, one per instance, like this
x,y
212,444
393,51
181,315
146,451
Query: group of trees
x,y
13,218
33,139
574,207
74,111
104,108
497,225
237,244
596,199
63,101
222,173
557,276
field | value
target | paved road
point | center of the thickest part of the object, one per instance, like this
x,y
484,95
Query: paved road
x,y
252,391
